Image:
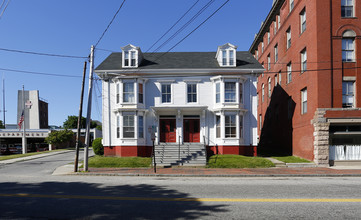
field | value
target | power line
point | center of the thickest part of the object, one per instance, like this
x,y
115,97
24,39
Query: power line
x,y
38,73
174,25
106,29
4,7
42,54
185,25
195,28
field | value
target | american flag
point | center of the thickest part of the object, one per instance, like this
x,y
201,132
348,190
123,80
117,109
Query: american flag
x,y
21,120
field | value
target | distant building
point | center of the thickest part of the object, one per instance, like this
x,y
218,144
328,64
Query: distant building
x,y
36,110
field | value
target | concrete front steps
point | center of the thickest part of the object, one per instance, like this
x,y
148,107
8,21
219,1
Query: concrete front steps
x,y
187,154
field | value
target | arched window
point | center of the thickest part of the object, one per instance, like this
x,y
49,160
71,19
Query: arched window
x,y
348,46
269,87
262,92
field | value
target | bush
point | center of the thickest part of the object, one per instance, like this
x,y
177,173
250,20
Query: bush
x,y
98,146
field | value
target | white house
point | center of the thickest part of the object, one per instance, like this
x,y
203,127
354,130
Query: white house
x,y
190,103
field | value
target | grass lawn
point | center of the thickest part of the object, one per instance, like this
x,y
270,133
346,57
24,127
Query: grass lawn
x,y
13,156
101,161
292,159
238,161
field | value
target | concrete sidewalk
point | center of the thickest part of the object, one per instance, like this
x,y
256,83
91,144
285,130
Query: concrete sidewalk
x,y
210,172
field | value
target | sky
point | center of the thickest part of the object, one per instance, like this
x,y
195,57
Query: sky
x,y
69,27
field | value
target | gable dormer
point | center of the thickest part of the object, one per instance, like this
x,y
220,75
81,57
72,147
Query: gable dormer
x,y
131,56
226,55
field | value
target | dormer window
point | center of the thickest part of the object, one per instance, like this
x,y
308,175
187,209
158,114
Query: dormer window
x,y
226,55
132,56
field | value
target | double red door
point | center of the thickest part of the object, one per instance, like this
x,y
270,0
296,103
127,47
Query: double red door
x,y
168,130
191,130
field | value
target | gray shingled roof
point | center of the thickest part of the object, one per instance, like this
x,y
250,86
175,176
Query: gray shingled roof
x,y
180,60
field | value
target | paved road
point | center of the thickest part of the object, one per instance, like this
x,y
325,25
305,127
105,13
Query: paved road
x,y
29,191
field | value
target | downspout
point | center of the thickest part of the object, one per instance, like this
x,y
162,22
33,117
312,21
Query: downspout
x,y
331,47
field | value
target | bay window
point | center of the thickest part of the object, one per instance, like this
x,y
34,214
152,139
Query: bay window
x,y
230,92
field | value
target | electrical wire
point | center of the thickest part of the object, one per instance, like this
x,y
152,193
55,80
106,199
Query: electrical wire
x,y
106,29
185,25
38,73
195,29
173,25
42,54
4,8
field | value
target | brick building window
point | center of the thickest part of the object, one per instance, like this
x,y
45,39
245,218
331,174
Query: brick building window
x,y
304,101
348,94
289,72
276,53
262,47
269,62
268,37
347,8
303,20
279,77
288,36
303,60
269,87
262,92
348,49
292,5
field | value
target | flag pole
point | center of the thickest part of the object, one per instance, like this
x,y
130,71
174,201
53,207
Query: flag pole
x,y
23,123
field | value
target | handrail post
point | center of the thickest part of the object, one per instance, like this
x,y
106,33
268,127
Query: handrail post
x,y
179,147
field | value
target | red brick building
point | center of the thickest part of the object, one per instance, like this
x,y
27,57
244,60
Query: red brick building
x,y
309,97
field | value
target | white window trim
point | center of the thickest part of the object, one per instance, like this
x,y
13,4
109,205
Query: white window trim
x,y
171,93
303,60
304,99
276,52
289,73
288,38
353,9
303,20
349,50
130,52
354,91
228,58
134,95
197,92
292,5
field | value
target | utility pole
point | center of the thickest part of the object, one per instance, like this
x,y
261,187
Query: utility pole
x,y
24,149
87,135
79,121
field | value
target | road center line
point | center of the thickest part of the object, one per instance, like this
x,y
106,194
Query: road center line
x,y
305,200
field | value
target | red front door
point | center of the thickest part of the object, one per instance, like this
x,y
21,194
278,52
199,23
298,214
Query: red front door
x,y
168,130
191,130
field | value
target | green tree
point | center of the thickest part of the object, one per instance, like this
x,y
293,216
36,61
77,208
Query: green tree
x,y
1,124
59,137
72,122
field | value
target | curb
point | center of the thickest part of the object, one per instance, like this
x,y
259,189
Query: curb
x,y
215,175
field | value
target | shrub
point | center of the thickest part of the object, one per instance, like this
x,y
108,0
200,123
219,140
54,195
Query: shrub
x,y
98,146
